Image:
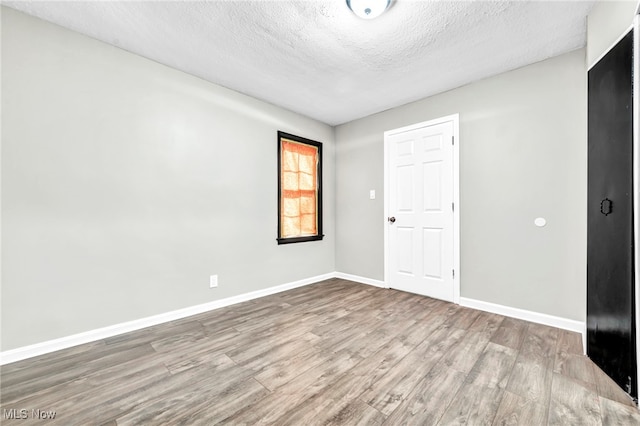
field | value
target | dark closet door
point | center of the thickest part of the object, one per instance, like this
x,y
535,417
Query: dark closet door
x,y
610,283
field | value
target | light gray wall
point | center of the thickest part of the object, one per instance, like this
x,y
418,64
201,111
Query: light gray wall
x,y
125,184
607,21
522,155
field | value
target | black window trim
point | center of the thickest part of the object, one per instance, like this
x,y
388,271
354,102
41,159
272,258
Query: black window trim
x,y
299,139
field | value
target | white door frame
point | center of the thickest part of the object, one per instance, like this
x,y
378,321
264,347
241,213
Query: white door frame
x,y
455,119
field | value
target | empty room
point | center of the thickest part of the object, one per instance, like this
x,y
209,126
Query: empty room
x,y
361,212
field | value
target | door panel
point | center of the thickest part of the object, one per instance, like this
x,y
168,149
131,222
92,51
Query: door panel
x,y
610,283
432,253
421,196
405,250
404,189
432,186
432,143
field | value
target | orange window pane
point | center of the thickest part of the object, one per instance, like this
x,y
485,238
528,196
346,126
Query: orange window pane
x,y
291,207
299,166
308,163
308,224
289,160
308,204
306,182
290,181
290,226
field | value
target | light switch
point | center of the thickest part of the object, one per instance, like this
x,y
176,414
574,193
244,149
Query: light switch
x,y
372,194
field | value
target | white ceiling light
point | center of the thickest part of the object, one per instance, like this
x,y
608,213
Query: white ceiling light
x,y
368,9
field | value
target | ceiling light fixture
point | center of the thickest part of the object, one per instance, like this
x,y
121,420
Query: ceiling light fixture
x,y
368,9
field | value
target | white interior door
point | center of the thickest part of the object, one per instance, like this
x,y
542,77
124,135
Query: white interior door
x,y
420,208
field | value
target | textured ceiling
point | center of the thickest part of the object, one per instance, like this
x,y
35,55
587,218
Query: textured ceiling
x,y
317,58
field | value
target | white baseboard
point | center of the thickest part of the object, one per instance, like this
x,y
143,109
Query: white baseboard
x,y
550,320
30,351
359,279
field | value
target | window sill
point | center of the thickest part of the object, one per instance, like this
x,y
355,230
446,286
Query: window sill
x,y
299,239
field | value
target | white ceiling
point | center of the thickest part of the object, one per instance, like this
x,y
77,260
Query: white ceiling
x,y
317,58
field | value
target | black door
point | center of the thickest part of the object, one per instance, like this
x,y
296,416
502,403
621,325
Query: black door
x,y
610,283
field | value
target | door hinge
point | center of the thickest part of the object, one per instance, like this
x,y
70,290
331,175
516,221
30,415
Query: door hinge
x,y
452,138
453,207
453,273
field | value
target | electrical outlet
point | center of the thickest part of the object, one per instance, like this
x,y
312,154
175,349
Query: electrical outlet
x,y
372,194
213,281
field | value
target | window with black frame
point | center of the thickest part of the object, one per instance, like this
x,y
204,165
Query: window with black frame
x,y
299,189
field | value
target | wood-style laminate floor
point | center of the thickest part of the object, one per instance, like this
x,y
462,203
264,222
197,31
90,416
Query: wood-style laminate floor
x,y
336,353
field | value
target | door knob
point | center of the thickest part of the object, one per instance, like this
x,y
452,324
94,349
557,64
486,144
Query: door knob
x,y
606,206
391,219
